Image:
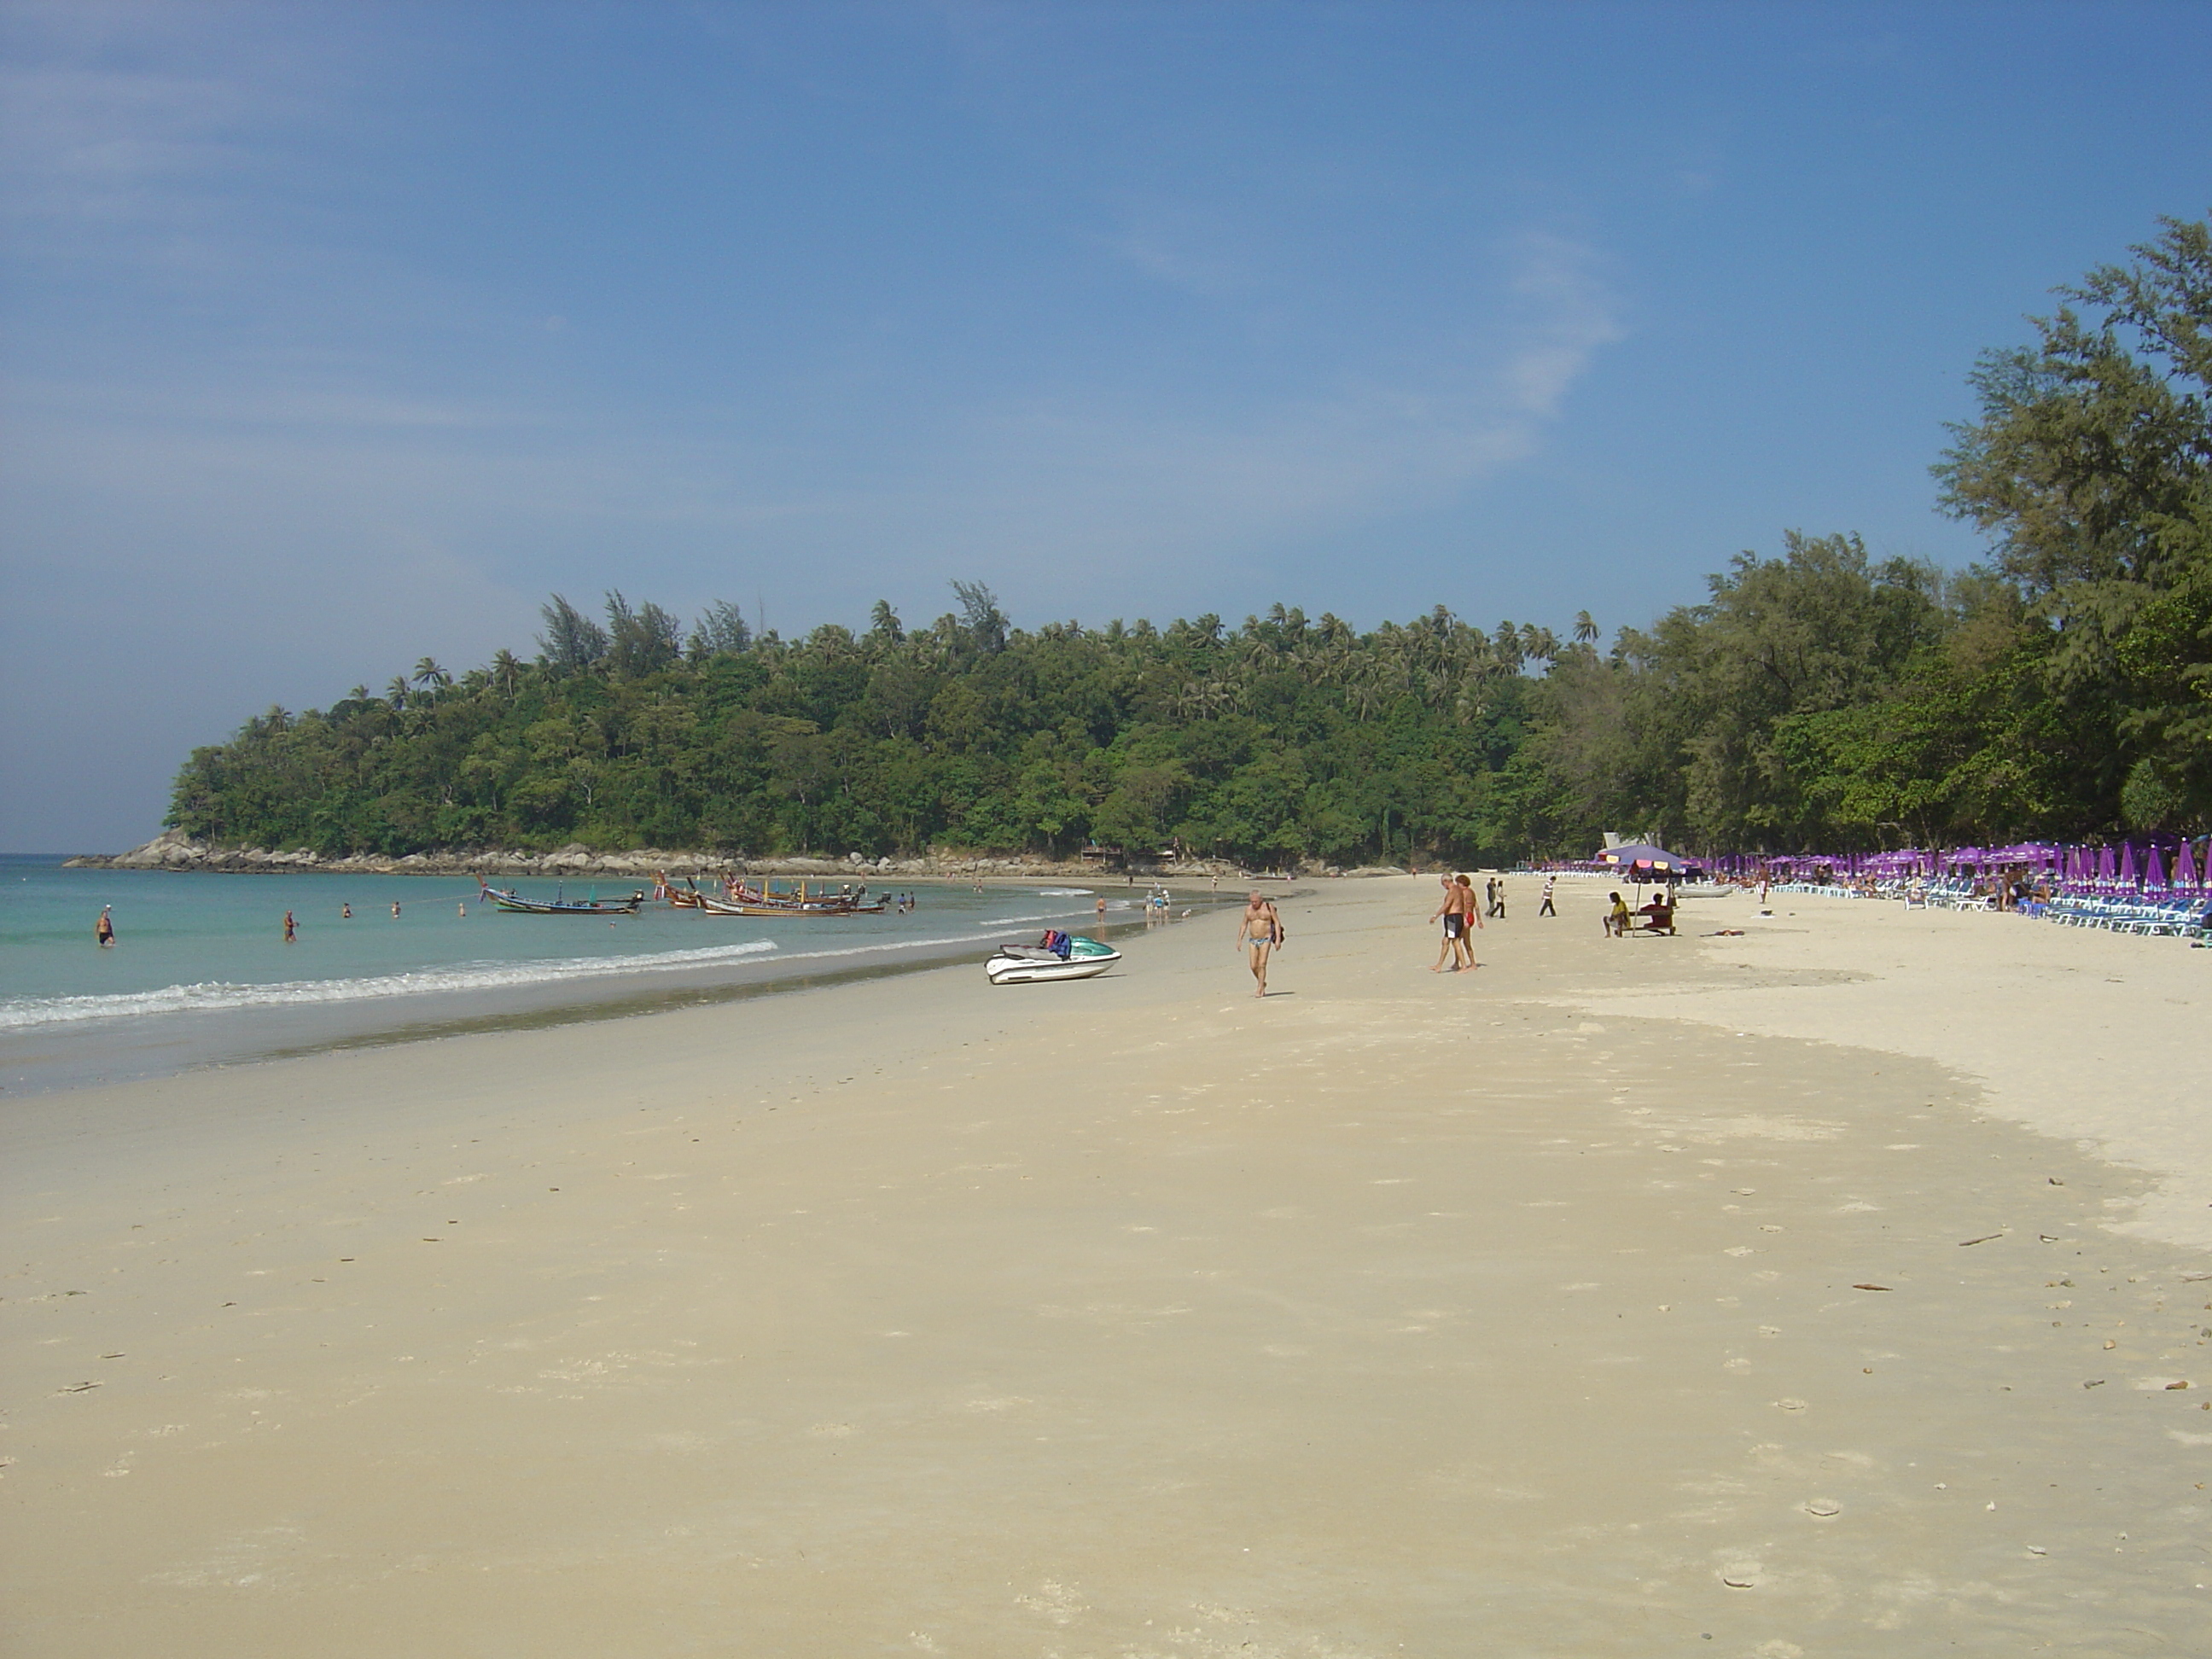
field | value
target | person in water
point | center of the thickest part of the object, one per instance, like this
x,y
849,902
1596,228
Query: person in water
x,y
103,931
1260,932
291,931
345,912
395,909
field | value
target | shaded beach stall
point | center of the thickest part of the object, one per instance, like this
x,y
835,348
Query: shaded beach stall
x,y
1640,861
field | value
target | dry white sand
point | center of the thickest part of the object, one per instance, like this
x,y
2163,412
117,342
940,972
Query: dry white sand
x,y
1510,1313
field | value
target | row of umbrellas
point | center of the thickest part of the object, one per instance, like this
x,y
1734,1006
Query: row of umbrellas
x,y
2188,868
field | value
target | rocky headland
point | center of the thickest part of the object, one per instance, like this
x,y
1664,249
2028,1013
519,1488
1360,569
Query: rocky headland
x,y
175,850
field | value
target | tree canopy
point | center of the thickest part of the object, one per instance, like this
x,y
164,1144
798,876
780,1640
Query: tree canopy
x,y
1819,698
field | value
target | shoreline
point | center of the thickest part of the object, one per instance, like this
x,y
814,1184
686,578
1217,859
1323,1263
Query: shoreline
x,y
1609,1297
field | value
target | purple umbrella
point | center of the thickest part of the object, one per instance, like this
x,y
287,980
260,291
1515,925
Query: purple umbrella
x,y
2154,872
2185,873
2127,864
2105,863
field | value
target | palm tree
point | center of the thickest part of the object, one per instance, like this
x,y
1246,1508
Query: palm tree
x,y
505,669
426,672
1585,628
397,691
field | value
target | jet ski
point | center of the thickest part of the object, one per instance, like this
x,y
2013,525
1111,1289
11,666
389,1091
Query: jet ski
x,y
1056,956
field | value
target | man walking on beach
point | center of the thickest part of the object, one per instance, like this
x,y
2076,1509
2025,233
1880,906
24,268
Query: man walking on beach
x,y
1544,908
1448,912
1470,918
1260,932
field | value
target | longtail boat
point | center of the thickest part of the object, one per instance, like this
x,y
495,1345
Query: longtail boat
x,y
764,901
560,904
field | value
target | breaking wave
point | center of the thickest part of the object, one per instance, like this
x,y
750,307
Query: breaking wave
x,y
214,995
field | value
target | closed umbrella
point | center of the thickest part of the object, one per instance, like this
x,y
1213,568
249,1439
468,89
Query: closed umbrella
x,y
2127,864
2105,863
2153,871
2184,874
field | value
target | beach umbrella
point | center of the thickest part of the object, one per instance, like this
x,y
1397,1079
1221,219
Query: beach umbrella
x,y
2184,874
2154,872
2127,864
1640,860
2104,862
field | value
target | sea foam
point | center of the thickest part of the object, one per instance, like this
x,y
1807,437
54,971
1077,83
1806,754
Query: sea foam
x,y
212,996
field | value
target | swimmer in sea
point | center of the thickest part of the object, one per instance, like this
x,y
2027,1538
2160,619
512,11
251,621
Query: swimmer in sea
x,y
103,931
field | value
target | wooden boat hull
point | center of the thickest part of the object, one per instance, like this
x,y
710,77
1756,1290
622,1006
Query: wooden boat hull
x,y
716,907
515,904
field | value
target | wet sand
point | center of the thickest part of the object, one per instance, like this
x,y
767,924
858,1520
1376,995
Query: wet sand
x,y
1523,1312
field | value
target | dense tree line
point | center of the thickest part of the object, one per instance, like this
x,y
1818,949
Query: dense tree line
x,y
1285,738
1818,698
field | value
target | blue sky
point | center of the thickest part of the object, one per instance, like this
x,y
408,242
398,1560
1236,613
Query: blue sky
x,y
337,334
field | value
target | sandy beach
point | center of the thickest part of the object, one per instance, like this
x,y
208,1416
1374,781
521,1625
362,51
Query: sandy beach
x,y
1819,1290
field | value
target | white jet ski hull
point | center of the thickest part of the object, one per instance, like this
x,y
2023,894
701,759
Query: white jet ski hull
x,y
1027,969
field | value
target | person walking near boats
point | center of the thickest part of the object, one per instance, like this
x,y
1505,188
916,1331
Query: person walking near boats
x,y
1258,933
103,931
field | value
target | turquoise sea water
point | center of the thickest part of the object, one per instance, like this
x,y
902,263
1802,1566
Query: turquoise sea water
x,y
200,972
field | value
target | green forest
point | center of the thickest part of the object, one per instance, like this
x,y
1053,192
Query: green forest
x,y
1817,697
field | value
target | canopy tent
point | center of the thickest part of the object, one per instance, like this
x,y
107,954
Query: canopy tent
x,y
1640,860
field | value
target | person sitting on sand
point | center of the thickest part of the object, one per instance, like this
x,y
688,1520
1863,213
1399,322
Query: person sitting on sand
x,y
1260,932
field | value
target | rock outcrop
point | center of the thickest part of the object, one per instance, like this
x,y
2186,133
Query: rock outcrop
x,y
175,850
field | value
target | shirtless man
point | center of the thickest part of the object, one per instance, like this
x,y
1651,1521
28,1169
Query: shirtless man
x,y
1470,918
1447,911
1260,932
103,931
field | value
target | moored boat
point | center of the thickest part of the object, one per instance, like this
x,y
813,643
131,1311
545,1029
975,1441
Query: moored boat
x,y
560,904
764,901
